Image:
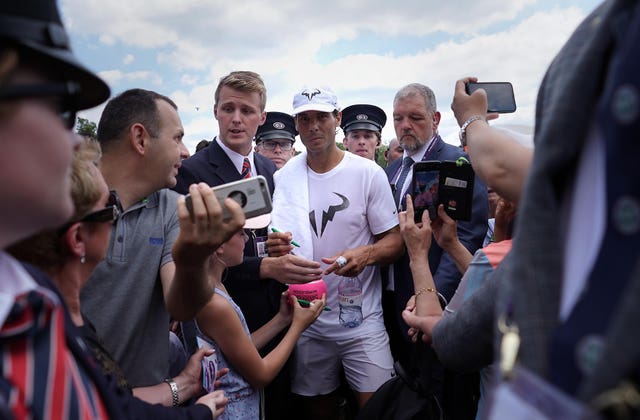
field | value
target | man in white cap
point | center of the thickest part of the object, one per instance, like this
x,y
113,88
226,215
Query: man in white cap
x,y
339,208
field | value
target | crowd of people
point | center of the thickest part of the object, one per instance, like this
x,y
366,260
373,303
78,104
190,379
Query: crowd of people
x,y
120,300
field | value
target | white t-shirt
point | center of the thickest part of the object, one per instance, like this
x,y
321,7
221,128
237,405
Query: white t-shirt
x,y
348,206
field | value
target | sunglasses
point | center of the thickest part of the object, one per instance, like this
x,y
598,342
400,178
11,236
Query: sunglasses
x,y
68,92
107,214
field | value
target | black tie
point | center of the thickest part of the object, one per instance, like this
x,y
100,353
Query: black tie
x,y
407,163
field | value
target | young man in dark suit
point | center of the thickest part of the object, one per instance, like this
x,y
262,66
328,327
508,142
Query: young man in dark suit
x,y
239,108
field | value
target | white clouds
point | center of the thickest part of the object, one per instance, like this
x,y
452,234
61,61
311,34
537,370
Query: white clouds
x,y
183,48
128,59
116,77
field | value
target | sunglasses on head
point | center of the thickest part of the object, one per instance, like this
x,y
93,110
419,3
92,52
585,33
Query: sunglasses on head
x,y
67,92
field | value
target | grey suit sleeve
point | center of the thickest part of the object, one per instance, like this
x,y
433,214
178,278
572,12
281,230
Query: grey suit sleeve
x,y
463,340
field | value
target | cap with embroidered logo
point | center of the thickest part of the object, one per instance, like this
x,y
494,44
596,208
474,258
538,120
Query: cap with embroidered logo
x,y
315,99
278,125
363,117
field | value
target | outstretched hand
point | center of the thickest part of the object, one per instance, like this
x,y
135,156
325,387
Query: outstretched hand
x,y
445,230
416,236
465,106
303,316
215,402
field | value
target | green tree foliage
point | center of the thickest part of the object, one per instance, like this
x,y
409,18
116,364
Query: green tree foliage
x,y
87,128
380,155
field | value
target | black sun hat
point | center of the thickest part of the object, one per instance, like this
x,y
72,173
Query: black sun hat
x,y
34,26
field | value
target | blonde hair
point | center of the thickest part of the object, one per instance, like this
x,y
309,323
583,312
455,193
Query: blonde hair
x,y
47,249
244,81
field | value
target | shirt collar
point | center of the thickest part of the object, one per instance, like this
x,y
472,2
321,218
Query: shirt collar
x,y
236,158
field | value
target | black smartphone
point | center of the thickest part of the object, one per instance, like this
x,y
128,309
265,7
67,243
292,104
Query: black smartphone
x,y
425,189
500,96
252,194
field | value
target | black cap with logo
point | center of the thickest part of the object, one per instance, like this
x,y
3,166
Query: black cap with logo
x,y
278,125
363,117
35,27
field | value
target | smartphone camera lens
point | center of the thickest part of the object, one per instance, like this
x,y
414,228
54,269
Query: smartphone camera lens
x,y
239,197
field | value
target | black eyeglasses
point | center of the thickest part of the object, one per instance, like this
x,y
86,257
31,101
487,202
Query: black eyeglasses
x,y
107,214
285,146
68,92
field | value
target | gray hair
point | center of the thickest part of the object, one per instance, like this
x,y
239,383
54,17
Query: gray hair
x,y
414,89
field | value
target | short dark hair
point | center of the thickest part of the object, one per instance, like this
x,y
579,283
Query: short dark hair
x,y
130,107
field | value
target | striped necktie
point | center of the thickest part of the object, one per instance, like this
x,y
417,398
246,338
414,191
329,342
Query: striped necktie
x,y
37,366
246,168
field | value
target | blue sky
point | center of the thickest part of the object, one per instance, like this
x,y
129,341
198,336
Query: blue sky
x,y
364,50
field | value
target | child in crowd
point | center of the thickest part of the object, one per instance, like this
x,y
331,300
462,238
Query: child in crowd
x,y
222,324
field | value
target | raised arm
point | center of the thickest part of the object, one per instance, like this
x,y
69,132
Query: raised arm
x,y
219,321
385,250
498,160
185,281
423,311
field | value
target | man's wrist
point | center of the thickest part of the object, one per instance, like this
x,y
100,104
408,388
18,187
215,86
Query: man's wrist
x,y
175,397
466,124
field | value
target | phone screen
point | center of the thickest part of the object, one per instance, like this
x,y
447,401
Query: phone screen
x,y
425,193
500,96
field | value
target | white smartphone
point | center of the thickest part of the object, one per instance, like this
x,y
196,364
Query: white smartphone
x,y
252,194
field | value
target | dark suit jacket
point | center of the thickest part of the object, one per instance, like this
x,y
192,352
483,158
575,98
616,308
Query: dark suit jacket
x,y
258,299
471,234
530,279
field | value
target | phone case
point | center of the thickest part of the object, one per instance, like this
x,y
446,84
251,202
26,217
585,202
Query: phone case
x,y
443,182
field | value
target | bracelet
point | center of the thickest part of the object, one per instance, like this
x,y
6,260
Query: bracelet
x,y
175,398
463,128
425,289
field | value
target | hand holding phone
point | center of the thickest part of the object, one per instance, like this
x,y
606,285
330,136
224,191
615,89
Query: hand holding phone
x,y
500,97
252,194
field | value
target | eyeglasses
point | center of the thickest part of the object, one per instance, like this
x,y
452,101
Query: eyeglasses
x,y
270,145
68,92
107,214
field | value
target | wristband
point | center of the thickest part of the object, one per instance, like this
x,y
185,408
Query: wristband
x,y
175,398
463,128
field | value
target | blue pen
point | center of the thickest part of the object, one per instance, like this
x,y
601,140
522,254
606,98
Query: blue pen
x,y
294,243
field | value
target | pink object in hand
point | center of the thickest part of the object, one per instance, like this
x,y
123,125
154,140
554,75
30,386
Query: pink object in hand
x,y
309,291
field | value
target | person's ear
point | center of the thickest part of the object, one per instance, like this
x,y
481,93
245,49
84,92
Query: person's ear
x,y
436,119
138,137
74,239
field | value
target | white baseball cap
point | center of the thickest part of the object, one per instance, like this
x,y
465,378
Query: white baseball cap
x,y
315,99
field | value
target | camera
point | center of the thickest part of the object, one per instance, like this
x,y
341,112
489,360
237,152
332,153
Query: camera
x,y
252,194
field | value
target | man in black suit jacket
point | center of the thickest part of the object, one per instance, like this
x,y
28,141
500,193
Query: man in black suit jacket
x,y
240,100
416,119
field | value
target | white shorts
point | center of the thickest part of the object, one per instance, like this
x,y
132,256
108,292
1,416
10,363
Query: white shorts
x,y
366,360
